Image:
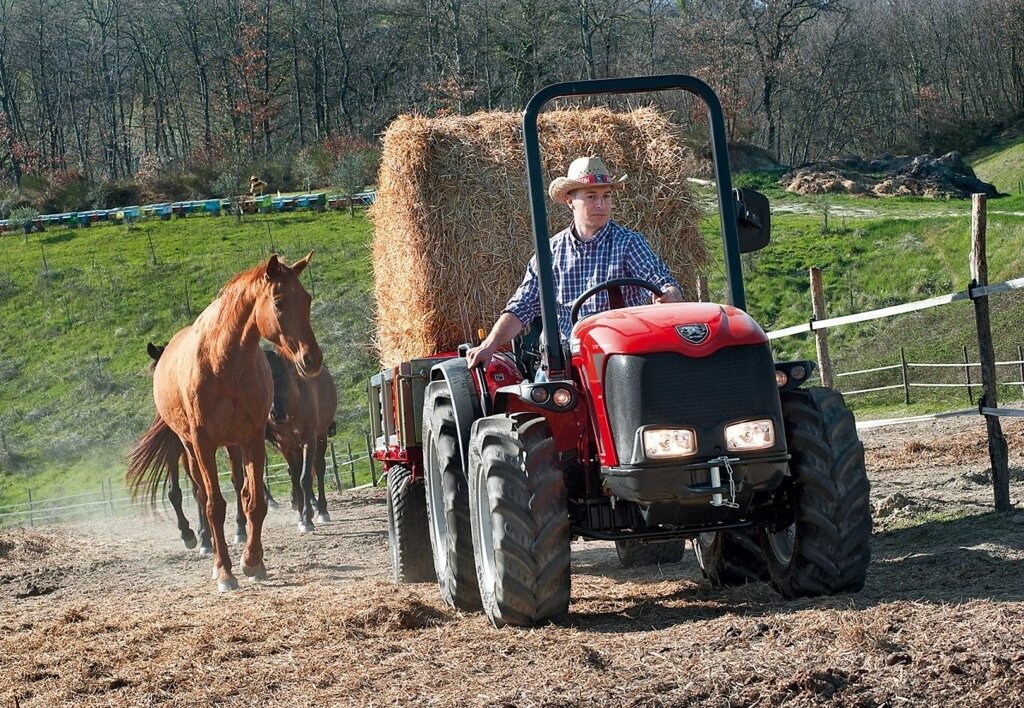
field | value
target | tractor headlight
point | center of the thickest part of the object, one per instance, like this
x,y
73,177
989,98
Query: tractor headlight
x,y
750,435
676,442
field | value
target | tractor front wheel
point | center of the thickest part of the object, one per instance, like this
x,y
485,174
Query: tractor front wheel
x,y
448,501
731,557
825,550
520,520
408,538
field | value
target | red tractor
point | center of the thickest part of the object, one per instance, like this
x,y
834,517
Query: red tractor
x,y
654,425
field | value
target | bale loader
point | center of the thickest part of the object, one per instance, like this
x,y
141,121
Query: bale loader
x,y
651,426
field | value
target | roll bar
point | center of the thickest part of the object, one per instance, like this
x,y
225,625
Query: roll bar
x,y
551,349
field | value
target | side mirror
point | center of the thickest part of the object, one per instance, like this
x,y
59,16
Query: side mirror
x,y
753,219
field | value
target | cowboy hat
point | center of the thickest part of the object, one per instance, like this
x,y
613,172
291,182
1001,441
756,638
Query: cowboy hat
x,y
583,172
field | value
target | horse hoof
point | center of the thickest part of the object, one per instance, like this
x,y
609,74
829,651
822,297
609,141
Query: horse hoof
x,y
240,538
190,540
255,574
205,550
228,585
305,527
323,517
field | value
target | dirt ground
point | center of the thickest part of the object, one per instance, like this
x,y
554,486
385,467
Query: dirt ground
x,y
120,613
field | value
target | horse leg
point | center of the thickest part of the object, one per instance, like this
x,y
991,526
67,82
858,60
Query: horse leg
x,y
205,456
306,516
253,456
295,473
271,502
321,472
191,469
238,481
174,494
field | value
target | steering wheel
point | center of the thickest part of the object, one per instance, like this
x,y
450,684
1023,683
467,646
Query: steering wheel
x,y
614,288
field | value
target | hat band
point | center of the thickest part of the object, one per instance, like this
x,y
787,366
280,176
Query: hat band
x,y
594,179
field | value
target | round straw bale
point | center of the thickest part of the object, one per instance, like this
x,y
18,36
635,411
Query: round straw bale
x,y
452,230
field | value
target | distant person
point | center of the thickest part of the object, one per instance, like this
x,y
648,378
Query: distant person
x,y
256,186
592,250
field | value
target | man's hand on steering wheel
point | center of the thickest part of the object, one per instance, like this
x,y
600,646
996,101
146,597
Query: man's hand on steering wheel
x,y
614,288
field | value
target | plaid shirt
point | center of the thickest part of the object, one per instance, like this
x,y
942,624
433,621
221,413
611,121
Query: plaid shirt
x,y
613,252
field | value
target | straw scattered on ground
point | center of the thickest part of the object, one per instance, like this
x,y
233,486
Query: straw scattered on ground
x,y
118,612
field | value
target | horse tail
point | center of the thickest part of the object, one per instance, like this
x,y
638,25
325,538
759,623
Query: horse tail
x,y
152,458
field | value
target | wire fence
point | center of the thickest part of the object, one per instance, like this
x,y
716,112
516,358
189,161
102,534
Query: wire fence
x,y
111,501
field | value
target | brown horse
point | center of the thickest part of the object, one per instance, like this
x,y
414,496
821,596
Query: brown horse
x,y
304,418
213,388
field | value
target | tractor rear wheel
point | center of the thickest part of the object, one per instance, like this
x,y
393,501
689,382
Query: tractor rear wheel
x,y
731,557
520,520
448,501
825,550
408,538
633,553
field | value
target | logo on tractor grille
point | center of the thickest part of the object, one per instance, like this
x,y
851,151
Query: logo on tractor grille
x,y
693,333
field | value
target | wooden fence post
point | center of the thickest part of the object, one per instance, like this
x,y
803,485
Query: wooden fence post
x,y
1020,358
334,462
979,276
702,288
31,520
110,495
369,460
820,335
351,464
967,377
906,376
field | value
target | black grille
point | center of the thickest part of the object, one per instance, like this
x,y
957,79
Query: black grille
x,y
703,393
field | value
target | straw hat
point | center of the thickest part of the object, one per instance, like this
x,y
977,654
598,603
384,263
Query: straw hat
x,y
583,172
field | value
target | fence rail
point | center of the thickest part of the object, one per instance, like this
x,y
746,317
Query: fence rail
x,y
978,292
108,502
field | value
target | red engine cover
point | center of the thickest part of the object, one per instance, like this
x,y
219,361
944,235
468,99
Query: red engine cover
x,y
647,330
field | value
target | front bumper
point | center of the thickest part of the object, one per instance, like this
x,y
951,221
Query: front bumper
x,y
684,494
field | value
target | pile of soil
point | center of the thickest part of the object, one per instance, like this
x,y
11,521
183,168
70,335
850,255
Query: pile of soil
x,y
945,177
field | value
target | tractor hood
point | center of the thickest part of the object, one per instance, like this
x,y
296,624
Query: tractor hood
x,y
694,329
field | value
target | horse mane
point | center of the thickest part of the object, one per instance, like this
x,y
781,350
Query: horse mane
x,y
232,295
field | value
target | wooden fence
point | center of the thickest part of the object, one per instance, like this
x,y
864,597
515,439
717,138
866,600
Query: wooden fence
x,y
978,291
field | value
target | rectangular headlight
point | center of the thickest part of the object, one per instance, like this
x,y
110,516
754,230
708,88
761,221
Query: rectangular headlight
x,y
750,435
675,442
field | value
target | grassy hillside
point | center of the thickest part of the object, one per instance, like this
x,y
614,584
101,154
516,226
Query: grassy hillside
x,y
77,308
1003,166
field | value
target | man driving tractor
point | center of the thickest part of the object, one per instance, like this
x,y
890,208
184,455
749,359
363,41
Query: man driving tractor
x,y
592,250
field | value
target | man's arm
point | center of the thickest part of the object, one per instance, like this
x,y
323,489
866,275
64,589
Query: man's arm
x,y
522,307
507,327
642,262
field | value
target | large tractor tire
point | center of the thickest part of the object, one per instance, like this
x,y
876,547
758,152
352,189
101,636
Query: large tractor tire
x,y
408,537
633,553
448,502
825,550
520,520
731,557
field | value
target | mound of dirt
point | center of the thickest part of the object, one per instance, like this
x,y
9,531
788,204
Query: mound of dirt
x,y
945,177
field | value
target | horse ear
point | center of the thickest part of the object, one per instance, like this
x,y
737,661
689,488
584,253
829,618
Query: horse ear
x,y
300,266
154,352
274,267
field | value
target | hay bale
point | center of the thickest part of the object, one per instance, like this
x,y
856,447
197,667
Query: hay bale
x,y
452,232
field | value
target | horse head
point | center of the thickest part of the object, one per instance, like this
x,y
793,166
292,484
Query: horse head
x,y
282,315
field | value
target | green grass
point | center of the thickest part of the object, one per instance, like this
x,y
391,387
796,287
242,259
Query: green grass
x,y
1003,167
78,306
